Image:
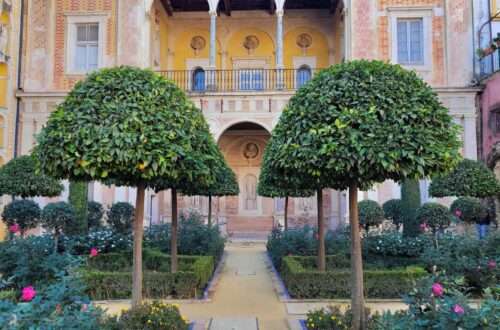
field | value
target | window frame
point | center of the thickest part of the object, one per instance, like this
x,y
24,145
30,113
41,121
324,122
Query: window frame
x,y
395,14
72,22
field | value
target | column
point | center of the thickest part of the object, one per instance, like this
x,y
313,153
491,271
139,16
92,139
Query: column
x,y
210,74
280,4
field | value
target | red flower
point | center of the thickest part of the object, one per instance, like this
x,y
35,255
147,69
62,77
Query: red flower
x,y
437,290
457,309
28,293
458,213
15,228
93,252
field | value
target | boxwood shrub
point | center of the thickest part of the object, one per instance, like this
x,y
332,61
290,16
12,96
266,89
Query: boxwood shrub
x,y
305,282
109,276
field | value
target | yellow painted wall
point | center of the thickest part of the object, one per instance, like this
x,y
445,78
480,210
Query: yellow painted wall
x,y
235,48
318,48
183,51
4,76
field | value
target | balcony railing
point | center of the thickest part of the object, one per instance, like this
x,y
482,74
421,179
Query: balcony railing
x,y
489,64
240,80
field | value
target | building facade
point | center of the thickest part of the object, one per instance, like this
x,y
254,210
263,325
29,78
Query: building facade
x,y
240,62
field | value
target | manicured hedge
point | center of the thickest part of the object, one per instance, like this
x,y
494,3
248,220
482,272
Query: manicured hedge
x,y
109,276
304,282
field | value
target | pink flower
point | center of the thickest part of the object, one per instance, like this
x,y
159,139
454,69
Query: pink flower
x,y
492,264
28,293
437,290
457,309
93,252
84,308
15,228
424,226
458,213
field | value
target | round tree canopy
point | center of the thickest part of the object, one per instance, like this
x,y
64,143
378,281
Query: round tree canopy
x,y
19,178
363,122
126,126
272,184
470,178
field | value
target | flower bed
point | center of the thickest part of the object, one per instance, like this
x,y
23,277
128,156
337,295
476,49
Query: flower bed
x,y
303,281
109,276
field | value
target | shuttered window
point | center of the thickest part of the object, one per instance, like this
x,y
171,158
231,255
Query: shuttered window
x,y
410,33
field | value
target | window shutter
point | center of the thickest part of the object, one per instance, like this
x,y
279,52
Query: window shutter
x,y
402,29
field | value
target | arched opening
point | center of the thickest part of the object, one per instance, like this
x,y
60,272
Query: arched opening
x,y
304,74
242,145
198,80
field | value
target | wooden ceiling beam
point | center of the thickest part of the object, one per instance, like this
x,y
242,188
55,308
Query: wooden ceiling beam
x,y
168,7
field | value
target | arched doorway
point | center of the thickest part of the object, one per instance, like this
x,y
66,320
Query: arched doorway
x,y
243,146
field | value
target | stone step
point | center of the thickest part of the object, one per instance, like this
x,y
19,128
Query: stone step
x,y
249,224
250,323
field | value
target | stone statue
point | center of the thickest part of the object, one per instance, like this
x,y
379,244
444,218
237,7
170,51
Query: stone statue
x,y
250,192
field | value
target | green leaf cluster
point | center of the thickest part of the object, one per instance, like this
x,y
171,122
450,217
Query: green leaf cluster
x,y
58,216
19,178
470,178
78,198
370,213
435,215
364,122
120,217
24,212
126,126
468,209
394,211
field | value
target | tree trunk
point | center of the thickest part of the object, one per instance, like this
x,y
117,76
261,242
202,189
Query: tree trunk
x,y
56,240
173,233
321,234
357,294
209,210
138,235
286,213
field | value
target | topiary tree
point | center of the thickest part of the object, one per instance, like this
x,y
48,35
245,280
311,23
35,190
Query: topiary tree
x,y
393,210
19,177
57,217
468,209
410,200
272,185
130,127
435,216
356,124
370,214
95,214
23,212
120,216
470,178
78,198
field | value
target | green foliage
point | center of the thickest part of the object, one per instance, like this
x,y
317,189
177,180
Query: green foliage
x,y
103,239
434,215
59,216
368,112
24,212
78,197
109,276
31,261
394,211
127,126
394,244
410,200
370,213
302,242
153,316
332,318
470,178
61,305
303,281
120,217
95,213
19,177
468,209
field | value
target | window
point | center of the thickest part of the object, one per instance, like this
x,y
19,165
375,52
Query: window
x,y
86,48
251,79
410,41
303,75
198,80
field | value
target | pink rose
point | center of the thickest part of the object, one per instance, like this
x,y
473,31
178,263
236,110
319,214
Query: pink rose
x,y
15,228
84,308
28,293
458,213
457,309
93,252
437,290
492,264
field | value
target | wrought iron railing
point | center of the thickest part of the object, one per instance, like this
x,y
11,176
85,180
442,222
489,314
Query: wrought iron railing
x,y
488,64
239,80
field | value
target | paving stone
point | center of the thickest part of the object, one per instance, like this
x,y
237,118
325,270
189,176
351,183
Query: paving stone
x,y
234,324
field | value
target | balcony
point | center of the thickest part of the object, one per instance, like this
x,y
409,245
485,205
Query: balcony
x,y
250,81
489,64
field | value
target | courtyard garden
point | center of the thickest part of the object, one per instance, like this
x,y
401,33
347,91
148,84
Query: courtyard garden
x,y
352,126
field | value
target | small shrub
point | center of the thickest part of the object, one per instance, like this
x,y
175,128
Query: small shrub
x,y
370,213
153,316
434,215
105,240
468,209
58,216
393,210
95,214
120,217
24,212
332,318
410,198
394,244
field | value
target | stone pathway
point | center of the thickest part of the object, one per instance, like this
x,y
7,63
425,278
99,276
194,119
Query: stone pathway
x,y
244,297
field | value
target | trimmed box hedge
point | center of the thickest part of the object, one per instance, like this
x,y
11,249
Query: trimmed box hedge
x,y
305,282
109,276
